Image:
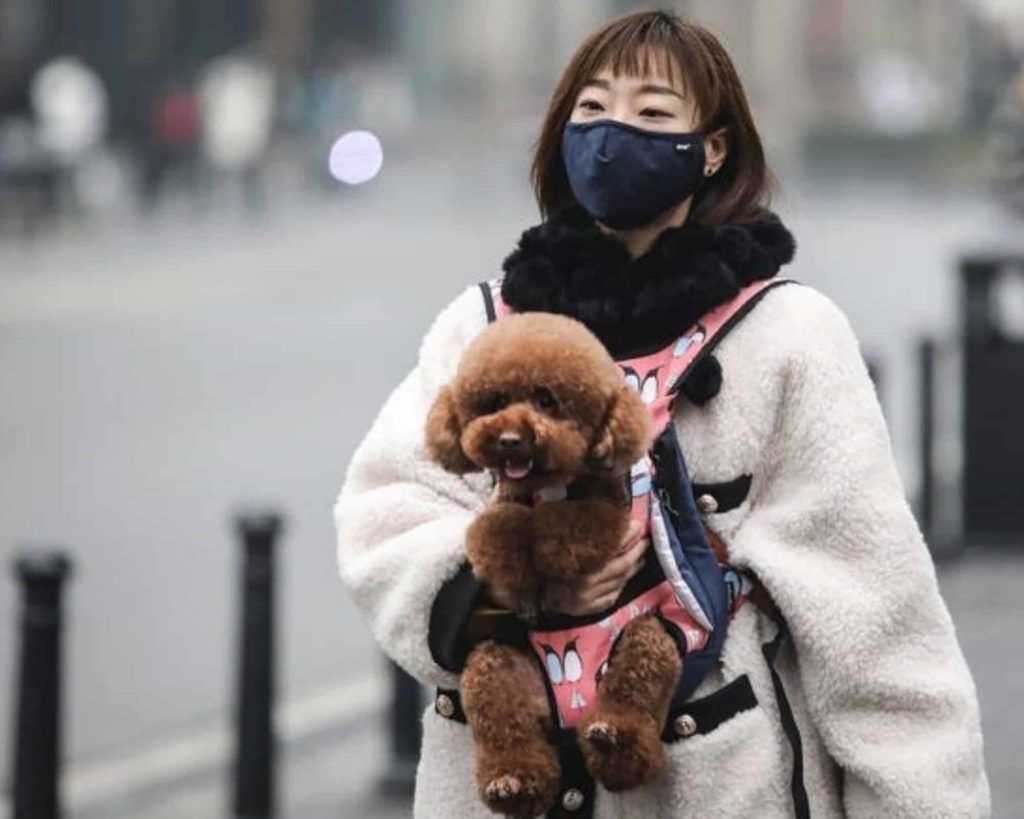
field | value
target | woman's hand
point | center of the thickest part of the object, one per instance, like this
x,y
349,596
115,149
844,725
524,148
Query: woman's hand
x,y
596,592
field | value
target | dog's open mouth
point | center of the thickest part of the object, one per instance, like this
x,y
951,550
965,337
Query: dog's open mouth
x,y
517,468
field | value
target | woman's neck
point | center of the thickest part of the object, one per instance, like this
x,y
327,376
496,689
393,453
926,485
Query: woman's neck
x,y
639,240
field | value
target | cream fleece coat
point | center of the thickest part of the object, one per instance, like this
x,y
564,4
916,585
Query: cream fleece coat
x,y
879,688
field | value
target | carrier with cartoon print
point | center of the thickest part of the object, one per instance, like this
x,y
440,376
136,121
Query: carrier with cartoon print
x,y
686,588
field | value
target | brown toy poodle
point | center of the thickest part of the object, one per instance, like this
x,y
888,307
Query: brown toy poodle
x,y
539,402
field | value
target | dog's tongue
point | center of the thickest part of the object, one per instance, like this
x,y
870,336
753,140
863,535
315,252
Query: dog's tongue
x,y
517,471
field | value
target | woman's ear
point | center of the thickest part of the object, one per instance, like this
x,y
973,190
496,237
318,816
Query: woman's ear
x,y
443,433
716,148
624,436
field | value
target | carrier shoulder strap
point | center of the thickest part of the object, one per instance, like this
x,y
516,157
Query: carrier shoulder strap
x,y
485,289
718,321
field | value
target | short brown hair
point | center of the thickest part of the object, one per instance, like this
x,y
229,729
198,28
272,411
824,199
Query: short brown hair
x,y
627,44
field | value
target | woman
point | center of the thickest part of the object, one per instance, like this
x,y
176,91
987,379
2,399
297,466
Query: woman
x,y
868,710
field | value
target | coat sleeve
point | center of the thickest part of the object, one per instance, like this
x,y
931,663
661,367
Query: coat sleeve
x,y
400,518
831,536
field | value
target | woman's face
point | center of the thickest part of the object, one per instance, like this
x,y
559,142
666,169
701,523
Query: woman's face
x,y
654,102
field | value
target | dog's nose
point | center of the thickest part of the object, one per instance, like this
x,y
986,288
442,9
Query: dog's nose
x,y
509,440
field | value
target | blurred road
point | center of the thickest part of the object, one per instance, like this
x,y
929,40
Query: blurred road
x,y
154,377
983,593
142,405
332,777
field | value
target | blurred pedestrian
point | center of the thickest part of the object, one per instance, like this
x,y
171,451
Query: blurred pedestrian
x,y
52,123
172,139
72,115
21,156
237,99
842,691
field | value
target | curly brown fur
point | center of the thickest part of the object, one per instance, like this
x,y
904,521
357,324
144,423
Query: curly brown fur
x,y
507,709
539,402
577,538
443,433
623,434
621,738
500,548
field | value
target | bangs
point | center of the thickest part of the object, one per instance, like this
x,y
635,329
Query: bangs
x,y
638,58
637,47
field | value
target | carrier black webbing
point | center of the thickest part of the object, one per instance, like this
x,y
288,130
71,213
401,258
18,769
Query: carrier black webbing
x,y
801,807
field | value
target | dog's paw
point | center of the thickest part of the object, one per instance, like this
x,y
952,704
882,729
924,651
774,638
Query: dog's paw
x,y
500,790
602,735
498,545
622,751
519,796
522,785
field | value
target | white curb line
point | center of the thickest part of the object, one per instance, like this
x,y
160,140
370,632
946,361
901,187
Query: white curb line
x,y
87,784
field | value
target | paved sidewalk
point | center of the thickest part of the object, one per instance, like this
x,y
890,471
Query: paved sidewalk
x,y
985,596
333,776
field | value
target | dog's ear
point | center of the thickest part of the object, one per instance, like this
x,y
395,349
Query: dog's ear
x,y
624,435
443,432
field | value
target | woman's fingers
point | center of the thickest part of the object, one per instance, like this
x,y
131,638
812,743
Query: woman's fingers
x,y
598,591
602,603
581,606
620,566
615,584
638,564
590,596
633,531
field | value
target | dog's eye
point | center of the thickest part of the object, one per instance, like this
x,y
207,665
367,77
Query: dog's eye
x,y
545,399
493,402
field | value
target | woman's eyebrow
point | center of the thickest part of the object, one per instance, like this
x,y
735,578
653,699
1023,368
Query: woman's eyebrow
x,y
659,89
647,88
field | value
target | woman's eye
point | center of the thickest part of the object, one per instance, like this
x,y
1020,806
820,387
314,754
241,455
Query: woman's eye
x,y
654,112
545,399
591,105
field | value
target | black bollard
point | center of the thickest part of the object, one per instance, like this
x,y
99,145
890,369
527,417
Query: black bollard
x,y
992,500
926,431
404,733
37,752
254,752
875,370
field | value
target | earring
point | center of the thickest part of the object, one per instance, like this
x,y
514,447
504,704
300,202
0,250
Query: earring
x,y
708,170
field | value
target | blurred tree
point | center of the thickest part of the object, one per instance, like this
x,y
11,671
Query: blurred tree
x,y
1008,145
368,23
287,30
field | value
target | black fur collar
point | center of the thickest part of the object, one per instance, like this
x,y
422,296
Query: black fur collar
x,y
568,265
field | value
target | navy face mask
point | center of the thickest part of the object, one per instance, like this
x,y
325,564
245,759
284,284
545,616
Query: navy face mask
x,y
625,176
